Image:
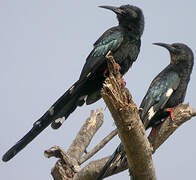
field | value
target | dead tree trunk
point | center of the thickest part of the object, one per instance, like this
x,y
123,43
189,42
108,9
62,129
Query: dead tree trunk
x,y
138,147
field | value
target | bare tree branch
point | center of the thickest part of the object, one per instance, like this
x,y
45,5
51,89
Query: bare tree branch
x,y
67,165
131,131
86,134
130,127
98,146
90,171
182,113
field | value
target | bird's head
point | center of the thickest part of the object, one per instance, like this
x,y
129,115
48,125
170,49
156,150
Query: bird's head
x,y
130,17
179,52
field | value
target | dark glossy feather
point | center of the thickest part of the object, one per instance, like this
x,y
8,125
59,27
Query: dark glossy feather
x,y
158,94
109,41
124,43
168,89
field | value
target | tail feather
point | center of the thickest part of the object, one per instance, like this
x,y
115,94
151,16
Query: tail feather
x,y
23,142
112,159
63,107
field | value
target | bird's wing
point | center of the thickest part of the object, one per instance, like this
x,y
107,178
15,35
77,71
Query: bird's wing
x,y
157,95
109,41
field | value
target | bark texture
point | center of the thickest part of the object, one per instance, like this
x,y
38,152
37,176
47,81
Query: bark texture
x,y
130,128
68,164
138,147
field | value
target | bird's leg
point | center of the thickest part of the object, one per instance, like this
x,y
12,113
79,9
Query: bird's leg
x,y
171,110
123,82
152,132
117,67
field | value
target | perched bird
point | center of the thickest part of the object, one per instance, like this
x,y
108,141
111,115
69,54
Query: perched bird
x,y
124,43
166,91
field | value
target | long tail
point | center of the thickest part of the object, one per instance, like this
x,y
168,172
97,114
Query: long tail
x,y
62,108
119,150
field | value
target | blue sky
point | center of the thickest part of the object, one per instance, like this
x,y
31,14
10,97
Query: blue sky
x,y
43,48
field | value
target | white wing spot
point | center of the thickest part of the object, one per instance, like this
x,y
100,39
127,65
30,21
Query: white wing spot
x,y
88,74
37,123
151,113
140,109
71,89
169,92
83,98
51,111
61,120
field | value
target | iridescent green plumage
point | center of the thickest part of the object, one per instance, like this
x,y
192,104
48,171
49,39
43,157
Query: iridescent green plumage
x,y
124,44
167,90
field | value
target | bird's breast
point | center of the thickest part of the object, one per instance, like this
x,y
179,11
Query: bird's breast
x,y
126,55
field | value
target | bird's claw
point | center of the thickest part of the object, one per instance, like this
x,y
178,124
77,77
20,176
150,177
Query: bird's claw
x,y
117,67
151,132
123,82
171,111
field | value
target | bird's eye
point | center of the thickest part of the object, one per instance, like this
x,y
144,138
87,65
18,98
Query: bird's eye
x,y
123,11
177,49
